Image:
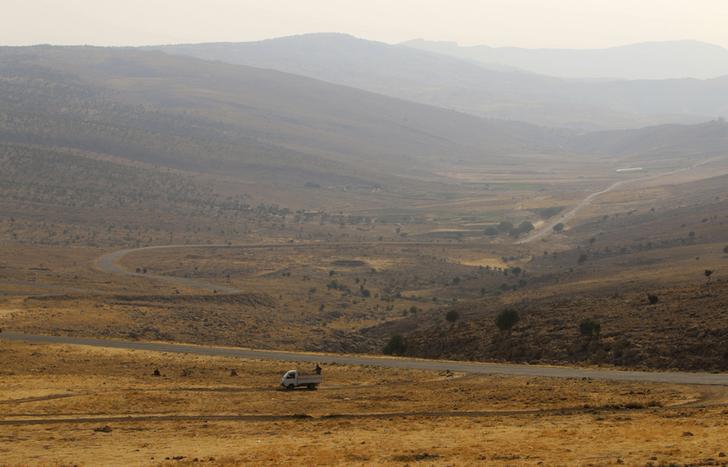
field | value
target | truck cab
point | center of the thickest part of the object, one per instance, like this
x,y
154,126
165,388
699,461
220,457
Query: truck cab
x,y
293,379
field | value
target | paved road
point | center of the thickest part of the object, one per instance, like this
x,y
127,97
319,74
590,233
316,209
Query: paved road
x,y
719,379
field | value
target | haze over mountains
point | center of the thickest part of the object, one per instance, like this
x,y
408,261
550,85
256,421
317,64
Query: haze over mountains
x,y
192,114
647,60
468,86
260,124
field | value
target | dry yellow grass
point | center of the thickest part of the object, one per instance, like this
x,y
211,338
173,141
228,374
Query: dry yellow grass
x,y
360,416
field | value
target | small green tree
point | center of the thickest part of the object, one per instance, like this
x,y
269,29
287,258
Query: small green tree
x,y
590,328
506,319
452,316
505,227
396,345
526,227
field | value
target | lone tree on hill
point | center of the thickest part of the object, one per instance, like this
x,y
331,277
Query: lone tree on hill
x,y
452,316
590,328
396,345
506,319
505,227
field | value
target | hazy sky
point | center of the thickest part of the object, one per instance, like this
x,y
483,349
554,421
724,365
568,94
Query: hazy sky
x,y
525,23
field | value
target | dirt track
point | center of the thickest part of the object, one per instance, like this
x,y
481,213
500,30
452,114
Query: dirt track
x,y
563,218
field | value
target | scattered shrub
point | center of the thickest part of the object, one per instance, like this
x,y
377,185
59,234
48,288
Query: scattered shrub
x,y
452,316
652,298
558,228
505,227
506,319
589,327
396,345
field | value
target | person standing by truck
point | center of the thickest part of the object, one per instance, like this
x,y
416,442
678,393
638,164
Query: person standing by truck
x,y
318,369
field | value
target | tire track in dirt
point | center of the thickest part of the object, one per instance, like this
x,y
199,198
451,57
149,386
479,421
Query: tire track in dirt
x,y
333,416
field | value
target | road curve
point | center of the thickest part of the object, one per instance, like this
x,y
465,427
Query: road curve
x,y
717,379
563,218
569,214
109,262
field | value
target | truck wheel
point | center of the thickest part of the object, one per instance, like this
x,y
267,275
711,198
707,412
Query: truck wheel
x,y
290,387
311,387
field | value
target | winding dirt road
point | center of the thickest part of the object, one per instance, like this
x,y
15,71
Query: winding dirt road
x,y
110,262
565,217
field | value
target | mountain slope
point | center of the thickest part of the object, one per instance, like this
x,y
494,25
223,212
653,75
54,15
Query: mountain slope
x,y
649,60
706,139
167,109
440,80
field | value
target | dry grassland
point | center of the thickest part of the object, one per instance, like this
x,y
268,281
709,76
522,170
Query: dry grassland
x,y
57,402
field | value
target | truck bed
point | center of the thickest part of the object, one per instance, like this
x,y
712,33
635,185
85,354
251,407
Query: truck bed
x,y
309,379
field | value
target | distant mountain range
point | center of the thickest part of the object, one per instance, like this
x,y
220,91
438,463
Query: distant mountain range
x,y
467,86
182,112
648,60
187,113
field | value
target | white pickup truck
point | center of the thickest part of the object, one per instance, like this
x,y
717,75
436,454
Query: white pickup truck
x,y
293,379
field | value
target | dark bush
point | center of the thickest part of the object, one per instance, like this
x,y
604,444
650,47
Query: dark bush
x,y
589,327
559,227
653,299
396,345
506,319
525,227
505,227
452,316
